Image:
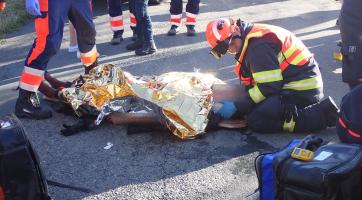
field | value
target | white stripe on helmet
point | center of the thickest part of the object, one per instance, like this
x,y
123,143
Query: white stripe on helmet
x,y
214,27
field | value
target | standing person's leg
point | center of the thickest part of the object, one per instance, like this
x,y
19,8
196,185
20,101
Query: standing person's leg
x,y
351,31
139,26
116,20
73,44
176,17
144,20
80,15
48,41
192,10
132,19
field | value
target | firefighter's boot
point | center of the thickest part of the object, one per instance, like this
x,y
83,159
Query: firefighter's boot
x,y
28,106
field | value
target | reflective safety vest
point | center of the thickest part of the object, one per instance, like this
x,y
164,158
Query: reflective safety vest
x,y
292,52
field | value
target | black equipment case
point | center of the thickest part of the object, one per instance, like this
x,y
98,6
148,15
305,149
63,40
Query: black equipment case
x,y
334,173
21,177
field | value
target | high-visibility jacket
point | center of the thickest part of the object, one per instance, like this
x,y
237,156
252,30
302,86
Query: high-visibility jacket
x,y
292,53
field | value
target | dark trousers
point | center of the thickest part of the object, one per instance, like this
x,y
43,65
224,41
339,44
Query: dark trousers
x,y
275,115
353,85
192,10
192,6
49,29
115,11
144,23
351,31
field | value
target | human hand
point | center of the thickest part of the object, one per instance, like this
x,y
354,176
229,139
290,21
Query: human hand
x,y
227,110
33,8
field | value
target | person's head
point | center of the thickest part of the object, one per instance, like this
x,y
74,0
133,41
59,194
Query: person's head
x,y
223,36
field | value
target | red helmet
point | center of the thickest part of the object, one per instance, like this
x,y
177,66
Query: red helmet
x,y
218,34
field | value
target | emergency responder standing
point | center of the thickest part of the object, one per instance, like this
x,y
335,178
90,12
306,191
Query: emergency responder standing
x,y
116,20
192,10
351,34
144,43
283,83
49,23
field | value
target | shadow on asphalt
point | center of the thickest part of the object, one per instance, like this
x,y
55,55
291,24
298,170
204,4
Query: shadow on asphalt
x,y
163,41
144,158
216,6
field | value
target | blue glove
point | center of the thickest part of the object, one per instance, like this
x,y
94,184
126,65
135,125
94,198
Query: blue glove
x,y
33,8
227,110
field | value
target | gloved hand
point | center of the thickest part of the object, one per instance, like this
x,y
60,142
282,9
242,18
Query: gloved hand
x,y
227,110
33,8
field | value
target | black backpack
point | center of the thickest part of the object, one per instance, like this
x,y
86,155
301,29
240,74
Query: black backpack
x,y
349,124
334,173
21,177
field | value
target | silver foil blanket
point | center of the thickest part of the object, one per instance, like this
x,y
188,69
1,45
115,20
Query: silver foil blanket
x,y
182,100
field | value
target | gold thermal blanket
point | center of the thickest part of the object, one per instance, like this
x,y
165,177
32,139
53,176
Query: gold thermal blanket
x,y
185,99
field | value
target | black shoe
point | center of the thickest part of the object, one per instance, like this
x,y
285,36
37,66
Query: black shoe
x,y
90,67
148,48
134,46
117,38
173,30
28,106
330,110
191,30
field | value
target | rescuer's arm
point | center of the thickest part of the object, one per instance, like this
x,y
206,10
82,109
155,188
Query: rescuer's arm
x,y
265,70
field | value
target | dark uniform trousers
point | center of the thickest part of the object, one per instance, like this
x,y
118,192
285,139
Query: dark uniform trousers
x,y
116,15
49,34
351,31
192,10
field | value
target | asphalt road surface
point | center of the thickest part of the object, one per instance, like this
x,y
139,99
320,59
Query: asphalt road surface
x,y
157,165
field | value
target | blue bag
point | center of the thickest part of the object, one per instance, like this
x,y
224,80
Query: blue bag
x,y
265,172
333,173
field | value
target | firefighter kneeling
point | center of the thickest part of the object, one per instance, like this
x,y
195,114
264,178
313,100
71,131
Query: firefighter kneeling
x,y
283,84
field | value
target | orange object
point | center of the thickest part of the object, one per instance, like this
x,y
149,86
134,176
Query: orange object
x,y
116,23
42,32
90,57
293,50
31,79
174,20
219,30
132,20
2,6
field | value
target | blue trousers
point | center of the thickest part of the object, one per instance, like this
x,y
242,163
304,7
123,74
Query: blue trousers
x,y
144,23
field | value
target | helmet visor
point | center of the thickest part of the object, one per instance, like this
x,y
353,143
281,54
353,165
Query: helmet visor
x,y
221,48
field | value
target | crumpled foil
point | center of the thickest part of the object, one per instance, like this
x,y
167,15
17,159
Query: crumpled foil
x,y
182,100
